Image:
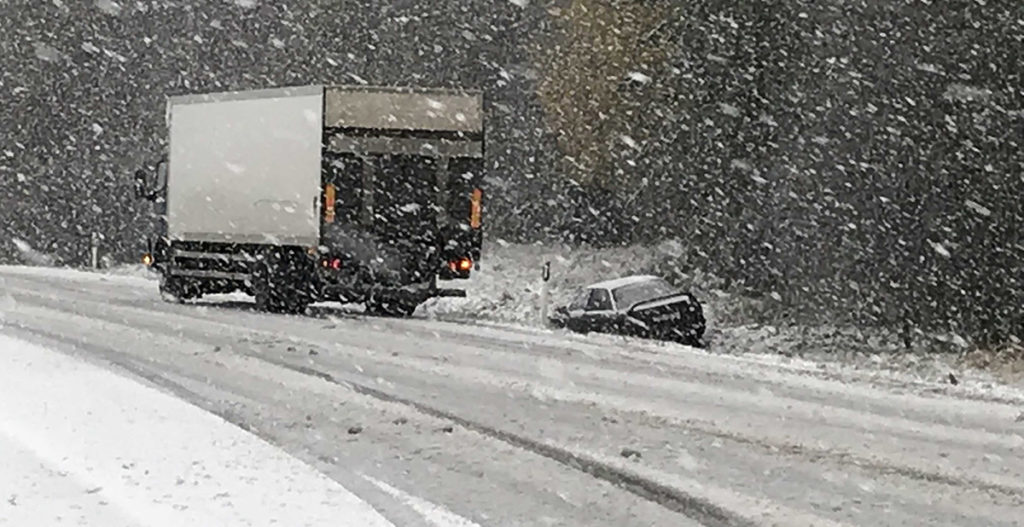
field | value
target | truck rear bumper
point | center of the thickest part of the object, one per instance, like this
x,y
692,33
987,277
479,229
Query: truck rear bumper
x,y
360,293
450,293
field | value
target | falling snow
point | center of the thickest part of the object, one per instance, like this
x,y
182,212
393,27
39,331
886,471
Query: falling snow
x,y
109,7
46,52
941,250
979,208
786,167
835,187
729,109
639,77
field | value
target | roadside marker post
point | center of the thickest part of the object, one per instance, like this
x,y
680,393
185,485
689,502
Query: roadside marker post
x,y
545,278
94,249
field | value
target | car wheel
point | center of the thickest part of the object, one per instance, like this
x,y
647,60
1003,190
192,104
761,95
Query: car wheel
x,y
277,285
690,337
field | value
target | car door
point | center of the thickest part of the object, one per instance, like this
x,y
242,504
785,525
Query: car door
x,y
599,314
576,309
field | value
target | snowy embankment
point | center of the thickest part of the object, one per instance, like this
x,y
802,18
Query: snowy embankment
x,y
508,287
82,445
508,290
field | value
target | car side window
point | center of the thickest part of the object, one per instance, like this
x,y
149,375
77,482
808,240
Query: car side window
x,y
580,302
600,300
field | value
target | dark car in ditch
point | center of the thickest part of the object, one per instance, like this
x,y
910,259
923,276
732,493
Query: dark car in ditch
x,y
641,306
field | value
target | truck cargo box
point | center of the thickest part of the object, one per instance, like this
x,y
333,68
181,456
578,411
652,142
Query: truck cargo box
x,y
245,167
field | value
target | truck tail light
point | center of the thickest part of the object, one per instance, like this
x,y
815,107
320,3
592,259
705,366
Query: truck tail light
x,y
476,209
332,263
461,265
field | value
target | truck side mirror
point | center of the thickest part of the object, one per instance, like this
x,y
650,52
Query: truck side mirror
x,y
141,190
149,184
161,177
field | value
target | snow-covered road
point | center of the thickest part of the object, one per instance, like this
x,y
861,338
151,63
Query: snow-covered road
x,y
437,423
83,446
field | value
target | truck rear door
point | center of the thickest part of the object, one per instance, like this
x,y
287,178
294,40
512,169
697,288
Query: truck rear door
x,y
406,165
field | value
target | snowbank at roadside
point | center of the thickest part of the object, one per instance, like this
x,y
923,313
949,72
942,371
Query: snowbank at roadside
x,y
136,270
31,255
124,274
507,290
508,286
83,445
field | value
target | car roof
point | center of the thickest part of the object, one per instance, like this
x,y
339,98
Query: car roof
x,y
624,281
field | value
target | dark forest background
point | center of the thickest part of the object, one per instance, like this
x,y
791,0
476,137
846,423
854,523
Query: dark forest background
x,y
853,159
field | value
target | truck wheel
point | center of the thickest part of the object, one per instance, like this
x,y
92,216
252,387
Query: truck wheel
x,y
261,288
176,290
391,308
268,298
278,286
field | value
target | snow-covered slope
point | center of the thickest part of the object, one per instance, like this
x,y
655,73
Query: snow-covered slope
x,y
508,290
508,286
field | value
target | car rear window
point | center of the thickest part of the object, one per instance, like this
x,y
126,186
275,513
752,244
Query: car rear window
x,y
628,295
580,302
600,300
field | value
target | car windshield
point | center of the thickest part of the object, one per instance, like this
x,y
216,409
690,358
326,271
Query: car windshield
x,y
628,295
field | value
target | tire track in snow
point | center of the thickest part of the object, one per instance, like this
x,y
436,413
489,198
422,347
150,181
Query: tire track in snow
x,y
696,507
110,447
199,317
158,325
434,514
709,505
129,363
891,465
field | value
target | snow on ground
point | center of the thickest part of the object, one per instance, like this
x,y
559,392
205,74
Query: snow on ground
x,y
84,446
507,291
30,254
137,270
434,514
120,274
507,287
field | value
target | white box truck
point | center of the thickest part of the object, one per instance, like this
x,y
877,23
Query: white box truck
x,y
303,194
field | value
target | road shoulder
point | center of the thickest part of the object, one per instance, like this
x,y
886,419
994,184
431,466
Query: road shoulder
x,y
146,457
